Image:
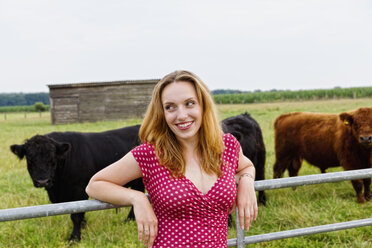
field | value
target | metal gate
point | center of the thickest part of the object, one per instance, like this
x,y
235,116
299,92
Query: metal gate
x,y
241,240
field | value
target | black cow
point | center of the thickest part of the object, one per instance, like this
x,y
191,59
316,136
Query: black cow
x,y
247,131
64,162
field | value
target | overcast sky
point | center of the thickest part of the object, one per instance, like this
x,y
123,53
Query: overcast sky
x,y
245,45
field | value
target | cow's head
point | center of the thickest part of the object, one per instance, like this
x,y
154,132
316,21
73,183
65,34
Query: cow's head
x,y
42,155
360,123
227,127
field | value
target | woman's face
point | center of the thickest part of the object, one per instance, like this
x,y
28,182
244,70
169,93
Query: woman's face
x,y
182,110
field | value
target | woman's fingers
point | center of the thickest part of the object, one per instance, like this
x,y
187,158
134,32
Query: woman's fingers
x,y
255,211
149,235
247,215
153,234
140,231
248,220
241,217
146,234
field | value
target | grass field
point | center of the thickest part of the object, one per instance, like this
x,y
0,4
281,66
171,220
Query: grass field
x,y
286,208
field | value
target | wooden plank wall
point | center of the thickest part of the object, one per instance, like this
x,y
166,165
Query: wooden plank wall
x,y
97,102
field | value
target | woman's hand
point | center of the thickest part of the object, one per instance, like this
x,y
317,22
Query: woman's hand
x,y
246,196
246,202
106,185
147,223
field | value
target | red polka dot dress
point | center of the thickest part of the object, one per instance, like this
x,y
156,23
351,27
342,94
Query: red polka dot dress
x,y
186,216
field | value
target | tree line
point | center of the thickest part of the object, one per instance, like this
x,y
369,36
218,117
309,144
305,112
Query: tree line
x,y
26,101
298,95
23,99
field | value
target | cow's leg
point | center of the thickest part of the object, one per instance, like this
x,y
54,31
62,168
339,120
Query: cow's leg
x,y
260,175
78,221
294,167
279,168
230,221
358,187
131,214
367,189
261,198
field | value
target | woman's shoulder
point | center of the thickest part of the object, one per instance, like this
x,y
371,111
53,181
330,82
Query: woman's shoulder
x,y
144,149
231,143
229,139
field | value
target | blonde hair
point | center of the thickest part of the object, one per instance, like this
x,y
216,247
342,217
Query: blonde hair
x,y
155,130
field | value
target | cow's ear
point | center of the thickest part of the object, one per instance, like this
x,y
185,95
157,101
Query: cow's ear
x,y
346,118
18,150
62,149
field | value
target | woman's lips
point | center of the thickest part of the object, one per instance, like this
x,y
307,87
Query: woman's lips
x,y
184,125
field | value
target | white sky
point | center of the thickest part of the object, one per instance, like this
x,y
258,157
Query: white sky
x,y
246,45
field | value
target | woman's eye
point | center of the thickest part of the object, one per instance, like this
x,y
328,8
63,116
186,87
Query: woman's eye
x,y
190,103
169,107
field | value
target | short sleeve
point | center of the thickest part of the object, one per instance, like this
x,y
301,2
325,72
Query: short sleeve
x,y
232,149
144,155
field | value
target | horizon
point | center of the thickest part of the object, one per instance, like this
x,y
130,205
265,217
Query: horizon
x,y
242,91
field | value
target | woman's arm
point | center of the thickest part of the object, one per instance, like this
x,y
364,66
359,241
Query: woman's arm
x,y
246,196
106,185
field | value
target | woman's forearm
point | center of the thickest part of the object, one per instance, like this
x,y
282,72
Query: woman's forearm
x,y
112,193
106,185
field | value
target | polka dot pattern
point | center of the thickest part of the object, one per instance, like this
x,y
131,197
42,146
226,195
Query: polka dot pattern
x,y
186,216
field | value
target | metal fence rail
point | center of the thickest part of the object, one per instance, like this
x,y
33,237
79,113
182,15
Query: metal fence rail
x,y
54,209
301,232
312,179
240,241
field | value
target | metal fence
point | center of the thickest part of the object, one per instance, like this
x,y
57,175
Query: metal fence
x,y
241,240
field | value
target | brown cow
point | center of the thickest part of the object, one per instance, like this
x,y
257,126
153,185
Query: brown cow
x,y
325,140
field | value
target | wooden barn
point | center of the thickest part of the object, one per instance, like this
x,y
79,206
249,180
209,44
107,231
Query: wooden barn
x,y
89,102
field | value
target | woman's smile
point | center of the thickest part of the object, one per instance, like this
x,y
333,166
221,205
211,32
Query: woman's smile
x,y
184,125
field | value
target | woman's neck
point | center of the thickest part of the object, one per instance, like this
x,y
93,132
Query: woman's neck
x,y
189,145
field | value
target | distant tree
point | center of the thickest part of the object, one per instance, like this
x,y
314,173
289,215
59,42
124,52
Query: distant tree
x,y
23,99
221,91
31,98
40,107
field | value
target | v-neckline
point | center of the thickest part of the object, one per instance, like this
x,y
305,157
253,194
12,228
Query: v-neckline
x,y
197,189
191,182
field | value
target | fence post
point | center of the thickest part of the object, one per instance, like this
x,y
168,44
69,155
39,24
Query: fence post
x,y
239,232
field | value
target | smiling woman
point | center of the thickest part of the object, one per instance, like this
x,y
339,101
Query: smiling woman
x,y
188,167
182,110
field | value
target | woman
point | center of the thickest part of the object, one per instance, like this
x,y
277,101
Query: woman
x,y
188,166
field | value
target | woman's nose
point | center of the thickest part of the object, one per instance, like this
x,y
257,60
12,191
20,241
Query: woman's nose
x,y
182,113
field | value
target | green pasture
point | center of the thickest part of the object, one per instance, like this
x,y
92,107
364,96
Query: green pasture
x,y
286,208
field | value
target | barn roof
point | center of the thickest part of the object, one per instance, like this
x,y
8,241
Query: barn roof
x,y
97,84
